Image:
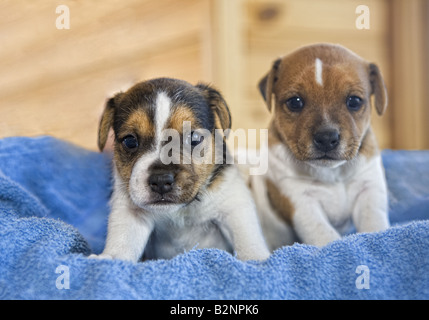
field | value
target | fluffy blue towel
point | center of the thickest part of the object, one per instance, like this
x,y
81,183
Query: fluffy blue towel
x,y
53,213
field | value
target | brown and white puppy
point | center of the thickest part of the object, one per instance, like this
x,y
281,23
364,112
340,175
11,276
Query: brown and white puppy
x,y
161,208
325,169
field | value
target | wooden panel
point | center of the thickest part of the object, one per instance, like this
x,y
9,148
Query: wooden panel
x,y
275,18
70,110
410,78
94,41
56,81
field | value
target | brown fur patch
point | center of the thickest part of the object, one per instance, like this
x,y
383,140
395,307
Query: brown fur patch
x,y
378,89
192,178
106,123
124,165
138,123
369,146
280,203
273,135
181,114
189,180
205,170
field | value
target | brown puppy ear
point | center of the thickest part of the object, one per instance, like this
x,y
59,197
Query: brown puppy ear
x,y
378,89
217,104
106,122
266,84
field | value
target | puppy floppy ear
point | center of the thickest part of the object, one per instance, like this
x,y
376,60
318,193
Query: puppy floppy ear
x,y
217,104
106,122
378,89
266,84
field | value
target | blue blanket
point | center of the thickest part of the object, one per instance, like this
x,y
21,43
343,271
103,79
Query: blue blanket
x,y
53,214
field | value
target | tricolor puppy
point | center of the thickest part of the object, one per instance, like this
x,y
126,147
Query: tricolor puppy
x,y
159,208
325,169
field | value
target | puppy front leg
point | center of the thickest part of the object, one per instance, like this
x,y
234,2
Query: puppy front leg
x,y
370,210
311,224
242,221
128,232
248,241
127,235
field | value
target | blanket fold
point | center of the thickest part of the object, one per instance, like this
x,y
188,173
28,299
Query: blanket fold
x,y
53,214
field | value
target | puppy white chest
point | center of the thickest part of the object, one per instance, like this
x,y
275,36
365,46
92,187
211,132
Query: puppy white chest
x,y
189,228
335,200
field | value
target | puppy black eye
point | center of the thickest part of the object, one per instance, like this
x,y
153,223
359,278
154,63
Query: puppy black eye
x,y
354,103
130,142
194,138
295,104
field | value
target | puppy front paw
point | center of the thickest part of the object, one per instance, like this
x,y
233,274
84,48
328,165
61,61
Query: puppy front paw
x,y
100,256
258,255
325,240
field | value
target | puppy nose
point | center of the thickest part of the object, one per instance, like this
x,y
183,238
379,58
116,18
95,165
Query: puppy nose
x,y
326,140
161,183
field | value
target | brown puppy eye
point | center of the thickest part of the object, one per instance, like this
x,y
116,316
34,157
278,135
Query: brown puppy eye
x,y
295,104
354,103
130,142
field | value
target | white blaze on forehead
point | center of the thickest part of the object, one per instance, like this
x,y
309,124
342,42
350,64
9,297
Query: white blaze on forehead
x,y
139,188
318,71
162,113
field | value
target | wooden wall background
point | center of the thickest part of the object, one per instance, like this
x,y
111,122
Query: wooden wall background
x,y
56,81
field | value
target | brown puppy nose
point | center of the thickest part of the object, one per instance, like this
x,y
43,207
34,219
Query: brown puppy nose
x,y
161,183
326,140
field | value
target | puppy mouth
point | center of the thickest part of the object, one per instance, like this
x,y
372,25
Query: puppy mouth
x,y
326,157
326,160
162,205
333,155
162,202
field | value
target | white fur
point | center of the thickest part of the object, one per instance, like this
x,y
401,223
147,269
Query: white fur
x,y
318,66
326,199
162,113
